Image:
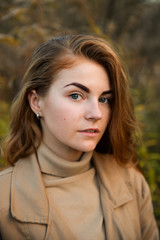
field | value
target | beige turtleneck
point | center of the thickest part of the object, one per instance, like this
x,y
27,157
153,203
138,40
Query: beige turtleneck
x,y
73,196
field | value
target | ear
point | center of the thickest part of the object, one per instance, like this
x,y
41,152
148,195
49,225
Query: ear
x,y
34,101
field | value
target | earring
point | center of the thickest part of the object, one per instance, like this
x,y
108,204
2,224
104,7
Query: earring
x,y
38,116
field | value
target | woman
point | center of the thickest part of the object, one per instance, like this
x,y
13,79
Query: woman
x,y
74,171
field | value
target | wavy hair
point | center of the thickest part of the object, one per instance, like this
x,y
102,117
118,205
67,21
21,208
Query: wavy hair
x,y
49,58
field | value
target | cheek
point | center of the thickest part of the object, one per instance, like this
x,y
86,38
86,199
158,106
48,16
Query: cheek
x,y
64,121
106,117
107,113
63,114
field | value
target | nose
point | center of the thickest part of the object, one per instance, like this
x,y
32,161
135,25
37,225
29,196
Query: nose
x,y
93,111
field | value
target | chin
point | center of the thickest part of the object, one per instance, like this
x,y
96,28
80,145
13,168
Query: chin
x,y
89,148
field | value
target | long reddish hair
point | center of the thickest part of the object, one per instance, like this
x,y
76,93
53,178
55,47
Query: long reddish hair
x,y
25,133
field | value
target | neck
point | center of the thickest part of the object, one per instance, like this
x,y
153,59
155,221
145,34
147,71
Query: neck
x,y
68,154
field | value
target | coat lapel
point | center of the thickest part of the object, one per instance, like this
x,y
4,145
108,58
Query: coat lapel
x,y
115,184
110,177
28,197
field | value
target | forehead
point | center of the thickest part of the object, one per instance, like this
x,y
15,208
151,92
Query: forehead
x,y
84,71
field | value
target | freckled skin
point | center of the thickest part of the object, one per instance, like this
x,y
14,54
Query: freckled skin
x,y
65,115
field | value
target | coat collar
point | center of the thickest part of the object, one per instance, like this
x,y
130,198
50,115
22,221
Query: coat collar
x,y
113,178
29,201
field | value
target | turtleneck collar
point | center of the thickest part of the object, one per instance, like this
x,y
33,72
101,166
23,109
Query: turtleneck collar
x,y
52,164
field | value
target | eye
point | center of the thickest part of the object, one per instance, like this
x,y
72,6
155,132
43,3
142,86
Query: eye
x,y
104,100
75,96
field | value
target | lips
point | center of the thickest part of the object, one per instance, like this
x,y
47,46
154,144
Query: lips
x,y
91,130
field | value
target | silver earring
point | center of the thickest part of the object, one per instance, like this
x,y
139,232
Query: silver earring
x,y
38,116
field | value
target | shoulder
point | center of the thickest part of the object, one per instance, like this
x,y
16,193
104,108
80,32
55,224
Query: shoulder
x,y
118,181
132,177
5,176
5,184
6,171
6,181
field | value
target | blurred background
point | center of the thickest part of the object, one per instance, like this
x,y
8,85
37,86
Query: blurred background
x,y
131,26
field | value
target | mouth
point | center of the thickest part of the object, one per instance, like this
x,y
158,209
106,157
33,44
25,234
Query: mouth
x,y
91,132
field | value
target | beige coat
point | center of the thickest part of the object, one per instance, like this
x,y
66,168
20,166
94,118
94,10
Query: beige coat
x,y
124,194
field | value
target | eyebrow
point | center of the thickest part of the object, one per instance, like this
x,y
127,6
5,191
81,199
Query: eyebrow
x,y
84,88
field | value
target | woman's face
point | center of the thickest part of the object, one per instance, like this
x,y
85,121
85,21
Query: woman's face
x,y
75,112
